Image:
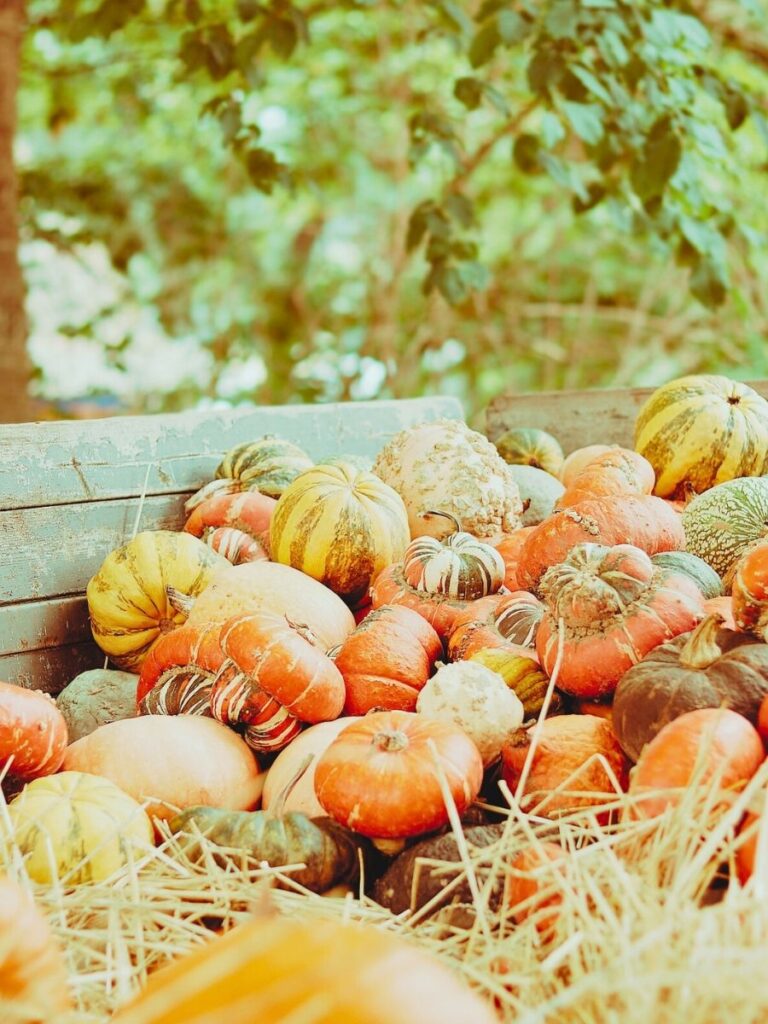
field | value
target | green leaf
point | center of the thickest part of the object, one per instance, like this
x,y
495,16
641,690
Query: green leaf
x,y
512,28
220,57
562,20
460,208
612,49
193,51
454,15
736,107
283,36
469,91
526,151
417,226
708,284
593,84
247,10
192,10
657,162
496,98
545,71
552,130
264,169
586,120
595,194
563,174
482,47
451,284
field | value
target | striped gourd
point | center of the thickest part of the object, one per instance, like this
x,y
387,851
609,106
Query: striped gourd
x,y
267,465
529,446
723,522
702,430
459,566
523,675
178,673
340,525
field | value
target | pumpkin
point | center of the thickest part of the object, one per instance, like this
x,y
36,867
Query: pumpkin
x,y
459,566
506,621
577,764
275,677
708,668
722,524
178,761
96,697
705,744
309,743
640,520
529,446
762,719
446,465
478,700
722,607
279,838
178,673
266,465
235,525
752,839
614,607
127,598
274,970
382,776
531,888
392,588
33,973
615,472
33,732
579,459
750,592
75,827
509,548
540,493
701,430
243,589
387,660
522,675
703,575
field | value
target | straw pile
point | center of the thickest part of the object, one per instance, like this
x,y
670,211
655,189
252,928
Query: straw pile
x,y
643,924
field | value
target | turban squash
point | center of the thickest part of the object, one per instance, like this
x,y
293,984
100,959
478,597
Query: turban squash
x,y
459,566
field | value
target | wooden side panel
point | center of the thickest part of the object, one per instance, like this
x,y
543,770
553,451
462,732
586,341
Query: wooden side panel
x,y
576,418
50,669
37,624
60,463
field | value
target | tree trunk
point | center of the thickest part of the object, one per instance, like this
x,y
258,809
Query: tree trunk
x,y
15,404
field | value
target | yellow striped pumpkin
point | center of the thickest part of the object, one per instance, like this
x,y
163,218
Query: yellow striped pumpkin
x,y
273,970
128,598
341,525
702,430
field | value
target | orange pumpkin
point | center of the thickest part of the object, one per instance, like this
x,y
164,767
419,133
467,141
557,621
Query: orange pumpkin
x,y
719,740
750,832
440,611
387,660
33,732
178,672
235,525
579,459
509,547
722,609
615,472
507,621
762,720
750,592
528,884
381,775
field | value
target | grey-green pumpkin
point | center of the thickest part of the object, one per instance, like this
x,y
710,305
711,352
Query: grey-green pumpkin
x,y
723,522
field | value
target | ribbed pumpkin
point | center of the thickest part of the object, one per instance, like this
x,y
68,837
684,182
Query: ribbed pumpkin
x,y
617,471
178,673
128,600
340,525
750,592
701,430
33,732
275,677
615,607
529,446
505,621
267,465
522,675
703,575
509,547
722,523
458,566
235,525
78,828
441,612
274,970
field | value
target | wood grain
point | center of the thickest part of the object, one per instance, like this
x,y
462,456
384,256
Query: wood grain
x,y
576,418
50,669
34,625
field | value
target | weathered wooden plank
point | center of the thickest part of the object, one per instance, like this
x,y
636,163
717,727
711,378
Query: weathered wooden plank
x,y
48,552
51,669
34,625
60,463
576,418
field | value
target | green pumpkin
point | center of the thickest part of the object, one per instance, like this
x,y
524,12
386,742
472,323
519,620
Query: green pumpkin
x,y
702,574
722,523
529,446
267,465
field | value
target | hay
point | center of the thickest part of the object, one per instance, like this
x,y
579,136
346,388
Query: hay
x,y
648,928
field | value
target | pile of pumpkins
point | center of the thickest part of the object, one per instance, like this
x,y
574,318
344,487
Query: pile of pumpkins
x,y
365,652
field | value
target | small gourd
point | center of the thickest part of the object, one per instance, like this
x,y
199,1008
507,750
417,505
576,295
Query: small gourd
x,y
530,446
459,566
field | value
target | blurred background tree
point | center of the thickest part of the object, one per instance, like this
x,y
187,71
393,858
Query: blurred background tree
x,y
313,201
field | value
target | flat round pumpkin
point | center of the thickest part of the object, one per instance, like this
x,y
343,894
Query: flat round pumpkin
x,y
721,524
33,732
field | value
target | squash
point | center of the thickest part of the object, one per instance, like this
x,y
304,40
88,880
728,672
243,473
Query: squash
x,y
446,465
708,668
273,678
529,888
75,827
266,465
506,621
459,566
178,673
127,598
274,970
178,761
701,430
529,446
243,589
752,832
33,973
722,524
509,547
523,676
441,612
341,526
577,764
703,575
540,493
382,776
33,732
615,472
578,460
750,591
96,697
235,525
704,744
614,607
387,660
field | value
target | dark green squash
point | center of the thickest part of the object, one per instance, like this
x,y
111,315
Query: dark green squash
x,y
707,668
702,574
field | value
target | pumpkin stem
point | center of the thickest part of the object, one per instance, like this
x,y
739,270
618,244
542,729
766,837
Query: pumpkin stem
x,y
278,805
180,602
701,649
445,515
390,740
304,631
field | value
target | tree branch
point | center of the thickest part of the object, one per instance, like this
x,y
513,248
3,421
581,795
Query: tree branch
x,y
473,161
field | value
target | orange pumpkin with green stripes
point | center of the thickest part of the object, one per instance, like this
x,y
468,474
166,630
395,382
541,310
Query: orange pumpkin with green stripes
x,y
702,430
341,525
